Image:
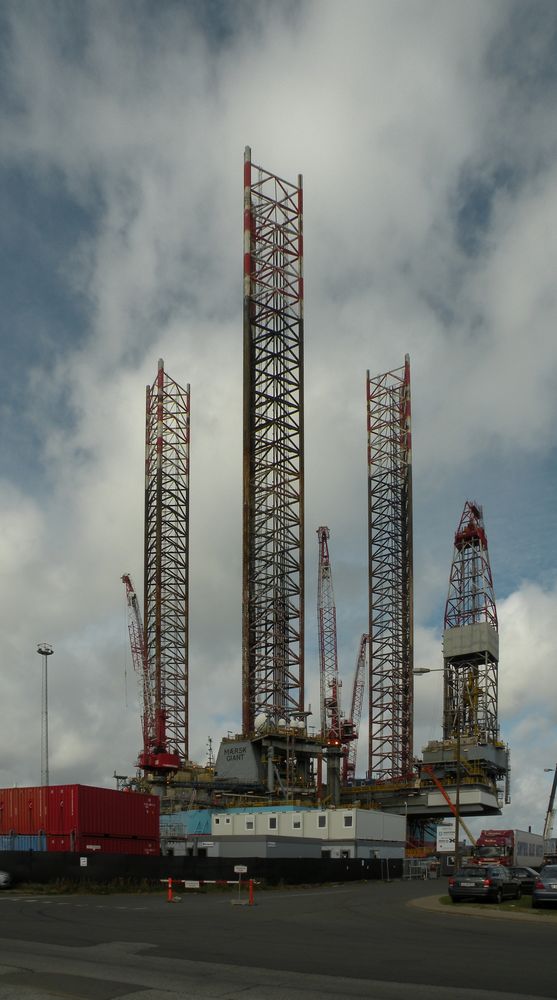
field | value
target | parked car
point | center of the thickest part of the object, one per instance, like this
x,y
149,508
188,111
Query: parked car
x,y
5,880
526,877
484,882
545,886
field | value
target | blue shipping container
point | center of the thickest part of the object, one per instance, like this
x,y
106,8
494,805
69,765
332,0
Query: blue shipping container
x,y
23,842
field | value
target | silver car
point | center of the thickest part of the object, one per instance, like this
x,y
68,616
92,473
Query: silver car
x,y
5,880
545,886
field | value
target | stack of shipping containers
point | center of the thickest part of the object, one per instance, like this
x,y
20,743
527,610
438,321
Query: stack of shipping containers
x,y
79,818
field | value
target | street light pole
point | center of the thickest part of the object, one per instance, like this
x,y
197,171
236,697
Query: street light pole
x,y
457,795
44,650
549,817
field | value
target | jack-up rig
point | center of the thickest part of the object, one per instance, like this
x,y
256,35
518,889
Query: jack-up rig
x,y
275,756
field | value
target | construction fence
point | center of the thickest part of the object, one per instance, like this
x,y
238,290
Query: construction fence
x,y
43,868
416,868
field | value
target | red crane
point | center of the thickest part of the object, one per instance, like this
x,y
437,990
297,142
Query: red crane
x,y
349,762
155,755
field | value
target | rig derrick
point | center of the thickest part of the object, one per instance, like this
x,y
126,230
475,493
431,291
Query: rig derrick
x,y
471,754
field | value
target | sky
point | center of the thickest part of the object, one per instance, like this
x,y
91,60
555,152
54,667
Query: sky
x,y
426,136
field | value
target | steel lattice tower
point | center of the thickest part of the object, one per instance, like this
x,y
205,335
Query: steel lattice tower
x,y
390,574
470,638
167,443
273,469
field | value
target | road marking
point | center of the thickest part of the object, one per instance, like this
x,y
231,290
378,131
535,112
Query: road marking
x,y
70,902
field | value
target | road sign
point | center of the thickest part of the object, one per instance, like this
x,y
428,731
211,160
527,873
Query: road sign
x,y
240,869
446,838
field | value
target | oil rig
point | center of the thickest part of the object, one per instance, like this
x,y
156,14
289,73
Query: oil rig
x,y
275,756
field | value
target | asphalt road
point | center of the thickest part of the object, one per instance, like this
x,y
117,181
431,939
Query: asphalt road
x,y
360,940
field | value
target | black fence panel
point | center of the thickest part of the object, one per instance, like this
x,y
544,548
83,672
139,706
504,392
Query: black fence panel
x,y
45,868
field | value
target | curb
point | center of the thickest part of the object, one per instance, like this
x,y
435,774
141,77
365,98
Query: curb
x,y
433,904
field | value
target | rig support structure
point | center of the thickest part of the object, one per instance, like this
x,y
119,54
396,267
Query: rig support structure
x,y
273,452
390,574
166,583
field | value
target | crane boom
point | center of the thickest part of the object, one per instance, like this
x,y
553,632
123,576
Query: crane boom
x,y
349,763
429,770
137,644
154,755
328,658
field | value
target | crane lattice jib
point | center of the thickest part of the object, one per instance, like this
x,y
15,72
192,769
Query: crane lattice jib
x,y
137,645
328,657
350,758
470,639
273,468
390,574
167,444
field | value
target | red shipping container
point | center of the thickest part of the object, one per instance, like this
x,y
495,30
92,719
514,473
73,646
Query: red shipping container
x,y
102,811
102,845
23,810
79,810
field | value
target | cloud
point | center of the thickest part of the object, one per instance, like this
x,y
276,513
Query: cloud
x,y
527,681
